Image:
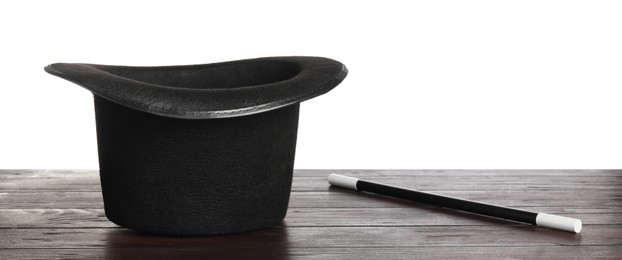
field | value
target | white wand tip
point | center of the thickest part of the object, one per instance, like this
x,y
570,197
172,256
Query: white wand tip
x,y
342,181
559,222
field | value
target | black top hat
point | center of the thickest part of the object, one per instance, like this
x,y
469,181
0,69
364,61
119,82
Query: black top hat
x,y
225,89
200,149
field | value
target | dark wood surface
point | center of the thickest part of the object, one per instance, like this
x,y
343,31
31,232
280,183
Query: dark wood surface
x,y
58,214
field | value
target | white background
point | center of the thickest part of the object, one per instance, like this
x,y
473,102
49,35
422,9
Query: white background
x,y
432,84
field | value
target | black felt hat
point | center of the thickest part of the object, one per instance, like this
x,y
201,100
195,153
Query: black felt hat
x,y
200,149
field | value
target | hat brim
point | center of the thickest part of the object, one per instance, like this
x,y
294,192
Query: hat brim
x,y
225,89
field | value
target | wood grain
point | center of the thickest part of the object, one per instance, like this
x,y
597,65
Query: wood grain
x,y
58,214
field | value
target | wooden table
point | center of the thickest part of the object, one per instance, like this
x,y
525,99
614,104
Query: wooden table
x,y
47,214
